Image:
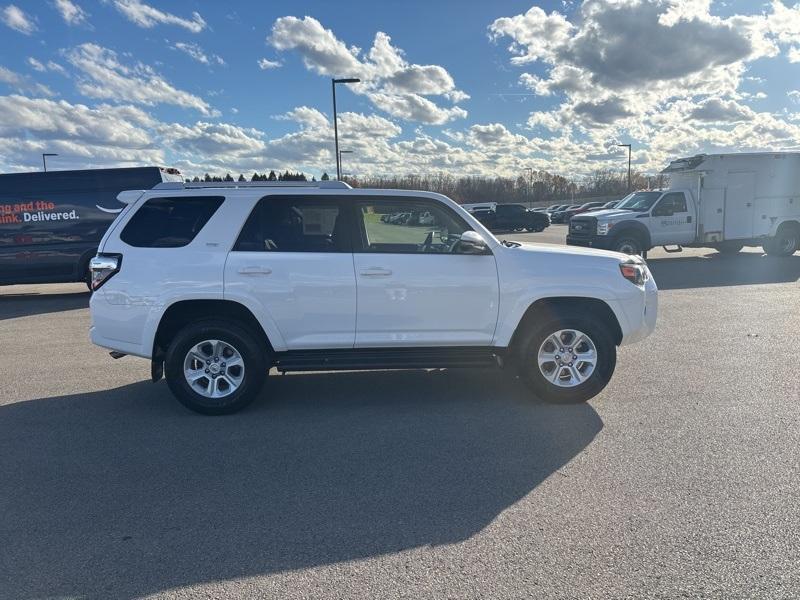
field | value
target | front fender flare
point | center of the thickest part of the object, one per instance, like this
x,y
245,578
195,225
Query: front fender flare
x,y
630,226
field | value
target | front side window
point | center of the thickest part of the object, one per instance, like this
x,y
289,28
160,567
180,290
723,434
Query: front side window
x,y
671,203
408,226
294,224
169,222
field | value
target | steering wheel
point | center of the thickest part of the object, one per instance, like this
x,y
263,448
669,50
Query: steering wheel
x,y
428,243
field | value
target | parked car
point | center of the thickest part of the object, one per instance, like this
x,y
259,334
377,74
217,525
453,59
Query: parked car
x,y
611,204
560,215
720,201
555,208
51,222
215,284
571,212
472,207
513,217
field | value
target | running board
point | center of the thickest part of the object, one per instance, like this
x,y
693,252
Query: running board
x,y
357,359
678,248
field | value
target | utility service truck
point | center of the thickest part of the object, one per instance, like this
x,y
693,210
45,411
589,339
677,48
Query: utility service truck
x,y
721,201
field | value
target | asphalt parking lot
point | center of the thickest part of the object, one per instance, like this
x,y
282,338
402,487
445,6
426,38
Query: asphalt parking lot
x,y
680,480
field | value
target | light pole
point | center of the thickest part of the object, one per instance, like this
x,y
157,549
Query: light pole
x,y
335,122
530,185
340,155
44,159
628,146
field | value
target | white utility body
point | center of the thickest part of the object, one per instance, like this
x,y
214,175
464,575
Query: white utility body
x,y
723,201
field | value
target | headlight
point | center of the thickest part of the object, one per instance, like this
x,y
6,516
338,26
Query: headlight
x,y
602,228
635,271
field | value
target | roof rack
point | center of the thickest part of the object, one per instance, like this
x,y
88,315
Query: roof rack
x,y
323,185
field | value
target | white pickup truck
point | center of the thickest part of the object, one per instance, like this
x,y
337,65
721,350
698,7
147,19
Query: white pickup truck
x,y
721,201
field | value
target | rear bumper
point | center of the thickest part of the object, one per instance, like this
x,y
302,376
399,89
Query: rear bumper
x,y
593,241
121,327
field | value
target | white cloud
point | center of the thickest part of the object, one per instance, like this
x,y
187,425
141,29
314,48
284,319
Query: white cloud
x,y
57,68
72,13
387,78
265,64
41,67
726,111
36,65
198,54
456,96
794,54
413,107
22,83
321,51
18,20
665,74
82,136
147,16
103,76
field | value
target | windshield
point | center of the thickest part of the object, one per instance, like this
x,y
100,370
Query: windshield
x,y
639,201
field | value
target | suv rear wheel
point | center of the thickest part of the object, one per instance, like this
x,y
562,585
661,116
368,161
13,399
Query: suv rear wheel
x,y
215,367
567,359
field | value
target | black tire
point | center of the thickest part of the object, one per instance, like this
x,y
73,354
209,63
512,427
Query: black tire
x,y
254,356
533,339
628,244
729,248
785,243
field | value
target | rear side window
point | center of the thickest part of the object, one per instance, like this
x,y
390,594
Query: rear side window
x,y
295,224
169,222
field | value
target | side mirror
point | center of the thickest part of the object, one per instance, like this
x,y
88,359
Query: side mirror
x,y
471,242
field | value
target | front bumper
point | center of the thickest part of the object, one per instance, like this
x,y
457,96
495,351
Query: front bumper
x,y
639,311
590,241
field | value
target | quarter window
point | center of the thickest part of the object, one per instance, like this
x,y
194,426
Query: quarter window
x,y
294,224
408,227
169,222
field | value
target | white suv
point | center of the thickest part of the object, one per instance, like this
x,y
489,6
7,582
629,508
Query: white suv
x,y
216,284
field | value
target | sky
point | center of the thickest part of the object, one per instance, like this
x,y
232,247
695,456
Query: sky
x,y
461,87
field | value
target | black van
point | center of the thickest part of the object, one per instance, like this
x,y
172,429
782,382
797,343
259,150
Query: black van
x,y
51,223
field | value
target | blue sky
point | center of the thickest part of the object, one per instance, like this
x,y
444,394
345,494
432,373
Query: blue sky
x,y
460,87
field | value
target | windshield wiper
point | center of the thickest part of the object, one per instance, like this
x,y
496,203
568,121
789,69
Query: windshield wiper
x,y
510,244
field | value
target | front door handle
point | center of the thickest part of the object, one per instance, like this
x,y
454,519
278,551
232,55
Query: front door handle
x,y
376,272
254,270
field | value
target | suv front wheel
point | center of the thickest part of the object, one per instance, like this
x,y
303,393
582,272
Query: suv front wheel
x,y
215,367
568,359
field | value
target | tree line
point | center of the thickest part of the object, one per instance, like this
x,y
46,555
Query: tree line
x,y
287,176
536,187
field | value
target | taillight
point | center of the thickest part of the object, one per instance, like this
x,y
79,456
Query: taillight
x,y
635,272
103,267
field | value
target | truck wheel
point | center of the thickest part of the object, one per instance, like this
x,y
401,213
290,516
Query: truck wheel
x,y
785,243
628,244
567,359
729,247
215,367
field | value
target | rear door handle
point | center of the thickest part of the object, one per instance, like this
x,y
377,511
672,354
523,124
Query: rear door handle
x,y
376,272
252,270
